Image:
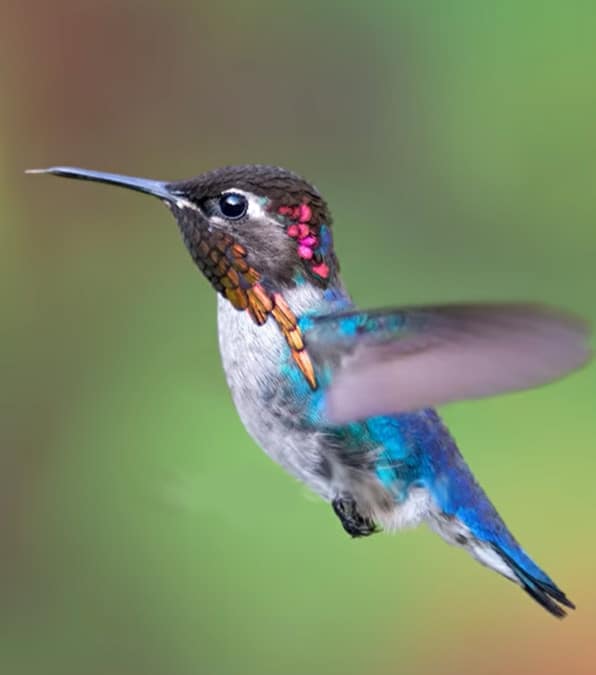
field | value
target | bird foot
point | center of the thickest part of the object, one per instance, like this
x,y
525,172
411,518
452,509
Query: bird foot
x,y
353,523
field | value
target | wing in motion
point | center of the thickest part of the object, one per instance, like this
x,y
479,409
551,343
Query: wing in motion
x,y
399,360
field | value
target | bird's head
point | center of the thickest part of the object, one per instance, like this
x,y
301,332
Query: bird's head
x,y
244,226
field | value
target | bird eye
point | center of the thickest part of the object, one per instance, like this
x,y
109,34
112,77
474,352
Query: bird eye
x,y
233,205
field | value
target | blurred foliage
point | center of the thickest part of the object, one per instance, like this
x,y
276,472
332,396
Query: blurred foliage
x,y
142,530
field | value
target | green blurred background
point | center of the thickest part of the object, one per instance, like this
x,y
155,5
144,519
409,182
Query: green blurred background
x,y
142,531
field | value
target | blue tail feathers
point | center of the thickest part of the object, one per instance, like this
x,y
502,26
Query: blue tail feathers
x,y
418,451
487,529
460,499
536,583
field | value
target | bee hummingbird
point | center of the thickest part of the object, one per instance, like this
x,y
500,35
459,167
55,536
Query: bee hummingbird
x,y
342,398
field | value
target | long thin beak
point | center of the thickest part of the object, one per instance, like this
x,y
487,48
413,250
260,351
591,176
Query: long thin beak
x,y
156,188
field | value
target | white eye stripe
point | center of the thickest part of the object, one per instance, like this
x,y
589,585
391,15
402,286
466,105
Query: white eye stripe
x,y
182,203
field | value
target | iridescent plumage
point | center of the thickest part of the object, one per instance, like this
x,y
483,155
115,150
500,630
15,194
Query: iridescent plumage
x,y
343,398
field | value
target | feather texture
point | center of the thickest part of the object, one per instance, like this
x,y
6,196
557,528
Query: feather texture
x,y
399,360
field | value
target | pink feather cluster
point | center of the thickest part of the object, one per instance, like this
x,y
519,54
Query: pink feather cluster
x,y
302,232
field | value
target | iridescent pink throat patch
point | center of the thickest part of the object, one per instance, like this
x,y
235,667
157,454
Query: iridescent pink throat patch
x,y
306,237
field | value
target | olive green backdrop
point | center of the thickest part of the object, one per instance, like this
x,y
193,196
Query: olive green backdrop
x,y
142,531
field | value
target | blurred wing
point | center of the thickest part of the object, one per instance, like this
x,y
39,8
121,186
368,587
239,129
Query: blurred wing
x,y
398,360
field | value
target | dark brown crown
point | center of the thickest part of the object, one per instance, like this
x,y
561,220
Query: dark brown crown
x,y
282,187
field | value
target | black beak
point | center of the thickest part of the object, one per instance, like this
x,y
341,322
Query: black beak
x,y
156,188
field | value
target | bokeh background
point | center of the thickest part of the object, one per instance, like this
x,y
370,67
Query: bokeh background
x,y
142,531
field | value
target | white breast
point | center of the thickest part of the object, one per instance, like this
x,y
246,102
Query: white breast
x,y
252,357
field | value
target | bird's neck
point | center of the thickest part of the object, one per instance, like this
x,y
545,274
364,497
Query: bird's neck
x,y
303,300
255,351
306,298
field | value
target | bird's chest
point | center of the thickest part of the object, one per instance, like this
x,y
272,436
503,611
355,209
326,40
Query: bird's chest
x,y
270,393
253,356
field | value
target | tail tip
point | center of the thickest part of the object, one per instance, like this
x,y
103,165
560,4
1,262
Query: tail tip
x,y
540,587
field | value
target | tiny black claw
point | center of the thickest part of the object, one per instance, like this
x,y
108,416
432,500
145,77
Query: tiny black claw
x,y
353,523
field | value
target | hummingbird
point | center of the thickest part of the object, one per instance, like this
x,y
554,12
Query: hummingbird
x,y
344,399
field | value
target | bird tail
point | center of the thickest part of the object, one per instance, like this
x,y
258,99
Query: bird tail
x,y
535,582
495,547
463,515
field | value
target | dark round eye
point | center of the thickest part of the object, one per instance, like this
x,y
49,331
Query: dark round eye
x,y
233,205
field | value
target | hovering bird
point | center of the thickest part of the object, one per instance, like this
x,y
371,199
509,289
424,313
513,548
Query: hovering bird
x,y
343,398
